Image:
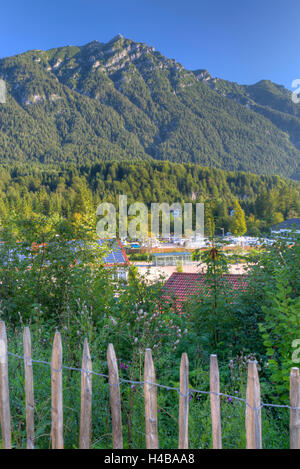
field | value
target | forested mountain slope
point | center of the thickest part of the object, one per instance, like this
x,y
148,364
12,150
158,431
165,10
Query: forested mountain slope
x,y
67,190
125,101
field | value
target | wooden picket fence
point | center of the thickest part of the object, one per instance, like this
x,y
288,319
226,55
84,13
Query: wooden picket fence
x,y
252,403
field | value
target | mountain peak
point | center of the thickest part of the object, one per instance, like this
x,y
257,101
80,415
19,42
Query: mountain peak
x,y
116,38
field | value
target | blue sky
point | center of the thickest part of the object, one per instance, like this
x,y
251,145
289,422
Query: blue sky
x,y
243,41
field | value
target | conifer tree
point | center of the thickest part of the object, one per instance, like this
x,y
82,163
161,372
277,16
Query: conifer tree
x,y
238,223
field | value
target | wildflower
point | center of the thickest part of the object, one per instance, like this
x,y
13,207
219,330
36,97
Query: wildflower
x,y
229,399
113,320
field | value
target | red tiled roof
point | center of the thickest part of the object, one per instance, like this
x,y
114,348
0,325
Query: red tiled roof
x,y
182,286
127,261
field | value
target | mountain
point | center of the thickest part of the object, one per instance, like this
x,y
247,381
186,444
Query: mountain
x,y
125,101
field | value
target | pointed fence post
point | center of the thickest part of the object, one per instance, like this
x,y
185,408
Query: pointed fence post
x,y
115,400
183,442
56,393
253,410
295,413
215,403
4,391
150,396
29,393
85,435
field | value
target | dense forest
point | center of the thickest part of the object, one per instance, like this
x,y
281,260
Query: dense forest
x,y
71,191
125,101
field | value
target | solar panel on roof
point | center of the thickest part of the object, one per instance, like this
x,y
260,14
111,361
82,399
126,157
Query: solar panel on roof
x,y
115,256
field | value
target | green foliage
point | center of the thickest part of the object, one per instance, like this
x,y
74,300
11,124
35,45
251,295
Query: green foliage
x,y
263,319
46,285
44,270
281,309
238,223
59,282
207,324
140,257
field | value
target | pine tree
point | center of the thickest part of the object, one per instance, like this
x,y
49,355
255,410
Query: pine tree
x,y
238,223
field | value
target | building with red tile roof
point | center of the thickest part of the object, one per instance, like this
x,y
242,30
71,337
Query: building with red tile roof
x,y
182,286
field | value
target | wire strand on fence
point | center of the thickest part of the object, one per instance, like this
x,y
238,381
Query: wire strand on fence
x,y
162,386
